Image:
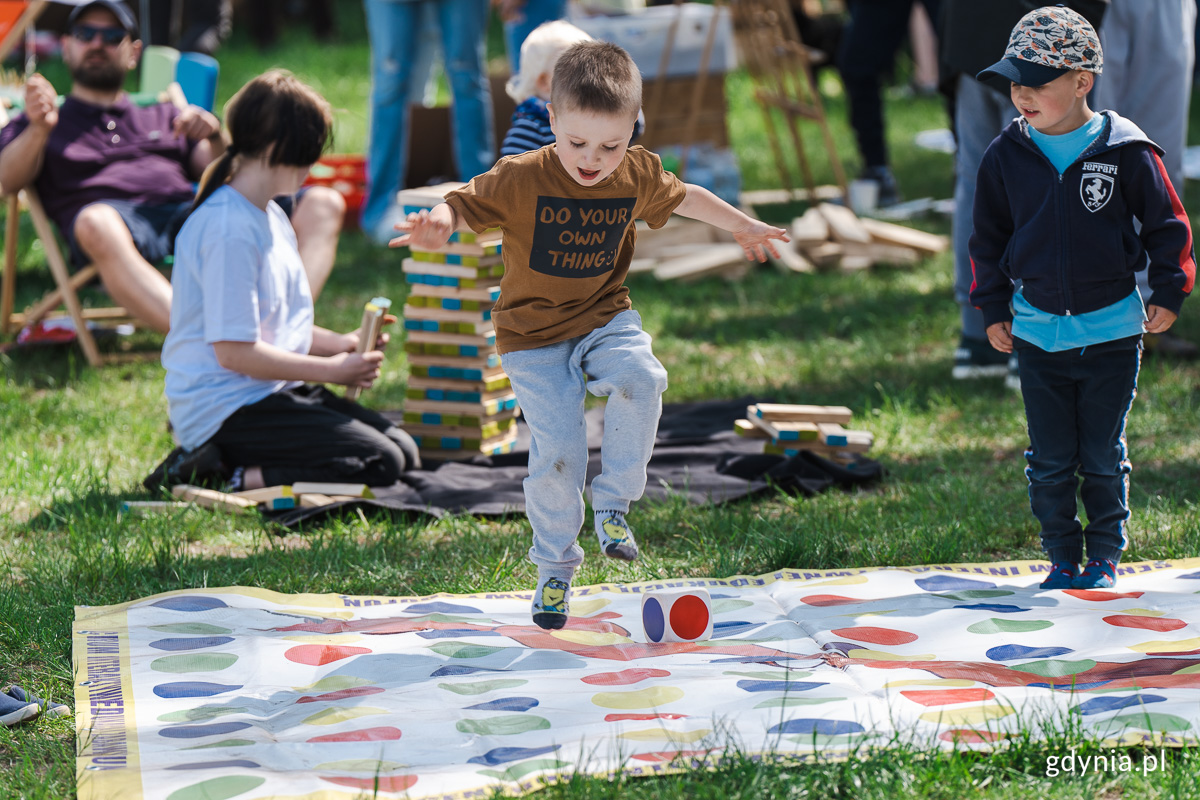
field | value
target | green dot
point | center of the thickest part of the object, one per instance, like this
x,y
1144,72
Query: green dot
x,y
222,743
198,628
788,702
994,625
370,766
726,605
503,726
201,713
1056,668
769,676
518,771
1152,722
483,687
975,594
194,662
218,788
464,650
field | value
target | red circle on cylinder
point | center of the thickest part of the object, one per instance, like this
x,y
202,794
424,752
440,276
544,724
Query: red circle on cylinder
x,y
689,617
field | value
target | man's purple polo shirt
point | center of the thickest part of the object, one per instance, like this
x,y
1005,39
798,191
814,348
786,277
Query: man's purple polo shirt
x,y
118,152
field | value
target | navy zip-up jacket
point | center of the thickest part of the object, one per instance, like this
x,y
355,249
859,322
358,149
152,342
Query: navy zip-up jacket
x,y
1071,239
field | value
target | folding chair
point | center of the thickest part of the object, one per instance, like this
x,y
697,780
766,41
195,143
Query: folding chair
x,y
67,286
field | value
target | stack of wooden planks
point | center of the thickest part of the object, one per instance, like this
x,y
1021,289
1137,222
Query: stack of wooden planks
x,y
829,236
459,404
788,429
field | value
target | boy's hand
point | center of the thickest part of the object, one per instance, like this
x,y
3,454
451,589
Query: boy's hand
x,y
1000,335
755,235
356,369
424,231
1158,319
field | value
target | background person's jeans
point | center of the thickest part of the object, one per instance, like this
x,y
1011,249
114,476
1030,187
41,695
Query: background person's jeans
x,y
533,13
395,27
1076,405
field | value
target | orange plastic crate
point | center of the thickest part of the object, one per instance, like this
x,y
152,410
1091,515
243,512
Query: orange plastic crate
x,y
347,175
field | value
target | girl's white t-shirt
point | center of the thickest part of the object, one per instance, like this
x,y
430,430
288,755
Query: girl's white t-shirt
x,y
237,277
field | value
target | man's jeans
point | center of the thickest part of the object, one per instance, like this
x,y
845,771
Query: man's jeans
x,y
1076,405
395,27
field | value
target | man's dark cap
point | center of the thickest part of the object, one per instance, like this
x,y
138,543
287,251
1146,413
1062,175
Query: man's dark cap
x,y
115,7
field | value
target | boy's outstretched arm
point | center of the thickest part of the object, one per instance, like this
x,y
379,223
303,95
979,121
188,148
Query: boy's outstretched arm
x,y
750,233
429,230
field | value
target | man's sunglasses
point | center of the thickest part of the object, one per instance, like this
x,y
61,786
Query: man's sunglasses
x,y
109,36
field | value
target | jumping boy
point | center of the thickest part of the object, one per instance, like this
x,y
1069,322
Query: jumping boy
x,y
1055,207
564,323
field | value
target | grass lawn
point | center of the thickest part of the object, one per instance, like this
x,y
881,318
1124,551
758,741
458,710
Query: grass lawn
x,y
75,441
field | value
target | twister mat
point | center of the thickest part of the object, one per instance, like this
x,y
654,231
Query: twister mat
x,y
211,694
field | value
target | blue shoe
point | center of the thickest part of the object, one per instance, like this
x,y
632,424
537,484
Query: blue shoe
x,y
18,705
1063,575
550,603
616,540
1100,573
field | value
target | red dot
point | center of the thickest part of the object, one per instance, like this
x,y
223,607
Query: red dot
x,y
1145,623
386,734
828,600
945,697
875,635
314,655
689,617
394,783
624,677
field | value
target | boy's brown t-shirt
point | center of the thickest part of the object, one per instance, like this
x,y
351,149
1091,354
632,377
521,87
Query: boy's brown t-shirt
x,y
567,247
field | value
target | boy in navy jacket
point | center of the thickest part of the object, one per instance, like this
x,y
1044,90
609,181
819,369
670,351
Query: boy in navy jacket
x,y
1056,202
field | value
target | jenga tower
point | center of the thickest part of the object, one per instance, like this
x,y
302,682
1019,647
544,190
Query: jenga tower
x,y
460,403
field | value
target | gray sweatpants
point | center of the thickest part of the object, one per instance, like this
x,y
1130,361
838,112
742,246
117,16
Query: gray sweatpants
x,y
551,382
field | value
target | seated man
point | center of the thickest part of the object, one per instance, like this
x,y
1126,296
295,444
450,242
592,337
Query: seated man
x,y
117,178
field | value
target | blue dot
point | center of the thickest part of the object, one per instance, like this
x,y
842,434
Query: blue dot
x,y
778,686
503,755
652,619
455,634
506,704
193,689
191,644
820,727
443,672
995,607
440,608
722,630
189,603
196,731
1009,652
949,583
1100,705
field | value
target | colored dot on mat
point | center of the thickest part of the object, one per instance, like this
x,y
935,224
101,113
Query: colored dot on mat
x,y
194,628
1098,596
1163,646
194,662
1011,652
512,725
996,607
1149,722
193,689
970,736
778,686
190,644
792,702
950,583
440,608
822,727
506,755
389,783
506,704
970,715
624,677
828,600
1101,705
689,617
196,731
463,650
1055,668
201,714
591,638
381,734
653,620
222,743
945,697
661,734
483,687
669,755
1159,624
360,691
189,603
651,697
222,788
886,636
372,766
332,716
314,655
641,717
218,765
989,626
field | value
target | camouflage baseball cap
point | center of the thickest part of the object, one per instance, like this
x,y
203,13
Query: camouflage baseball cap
x,y
1046,43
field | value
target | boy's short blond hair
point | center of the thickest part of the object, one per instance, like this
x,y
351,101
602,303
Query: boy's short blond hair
x,y
597,77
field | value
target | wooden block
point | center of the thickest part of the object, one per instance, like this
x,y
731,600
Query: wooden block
x,y
488,248
790,259
881,253
844,224
855,263
475,327
276,498
642,265
143,507
452,292
678,616
486,338
315,500
761,197
483,265
747,429
347,489
810,229
489,430
677,231
825,255
439,314
486,408
487,364
411,266
209,498
426,196
495,384
440,394
715,258
791,449
800,413
492,445
472,419
888,233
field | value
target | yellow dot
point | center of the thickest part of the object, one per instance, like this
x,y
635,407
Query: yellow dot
x,y
332,716
320,638
853,580
947,683
591,638
659,734
652,697
1143,612
971,715
879,655
1166,646
334,683
585,608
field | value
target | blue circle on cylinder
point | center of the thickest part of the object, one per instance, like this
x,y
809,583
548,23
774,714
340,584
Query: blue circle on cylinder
x,y
188,603
653,619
